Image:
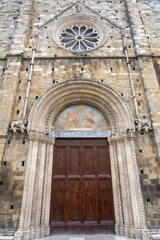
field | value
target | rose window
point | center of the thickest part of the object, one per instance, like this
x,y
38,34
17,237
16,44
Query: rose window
x,y
79,38
79,33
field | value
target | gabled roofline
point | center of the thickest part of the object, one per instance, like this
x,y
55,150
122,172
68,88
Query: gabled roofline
x,y
84,5
57,15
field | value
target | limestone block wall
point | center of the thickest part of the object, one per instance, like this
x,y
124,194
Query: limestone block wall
x,y
149,12
52,65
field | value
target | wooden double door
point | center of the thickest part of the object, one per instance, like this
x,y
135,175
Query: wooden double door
x,y
81,196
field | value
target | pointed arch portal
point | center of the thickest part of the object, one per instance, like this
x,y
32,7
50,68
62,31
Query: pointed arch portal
x,y
128,203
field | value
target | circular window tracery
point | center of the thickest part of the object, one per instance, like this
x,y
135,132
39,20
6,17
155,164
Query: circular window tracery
x,y
79,33
79,38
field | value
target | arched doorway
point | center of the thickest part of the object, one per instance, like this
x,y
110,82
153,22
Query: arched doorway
x,y
128,203
81,195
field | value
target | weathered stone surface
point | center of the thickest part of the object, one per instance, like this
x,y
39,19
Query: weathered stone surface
x,y
140,23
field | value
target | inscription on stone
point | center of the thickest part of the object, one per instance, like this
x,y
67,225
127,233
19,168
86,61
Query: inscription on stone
x,y
81,134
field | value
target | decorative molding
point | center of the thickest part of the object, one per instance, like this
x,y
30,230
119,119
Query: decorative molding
x,y
120,207
82,56
126,185
40,137
94,93
121,137
22,223
138,188
81,134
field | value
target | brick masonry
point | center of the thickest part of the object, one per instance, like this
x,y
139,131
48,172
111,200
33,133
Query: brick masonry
x,y
140,20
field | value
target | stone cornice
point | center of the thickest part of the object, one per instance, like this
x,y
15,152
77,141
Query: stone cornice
x,y
77,56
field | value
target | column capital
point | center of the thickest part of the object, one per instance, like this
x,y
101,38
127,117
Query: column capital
x,y
121,137
41,137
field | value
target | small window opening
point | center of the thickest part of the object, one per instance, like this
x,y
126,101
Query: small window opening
x,y
22,164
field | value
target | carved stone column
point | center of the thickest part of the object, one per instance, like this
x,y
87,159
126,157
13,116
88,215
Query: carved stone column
x,y
45,230
116,188
129,210
40,150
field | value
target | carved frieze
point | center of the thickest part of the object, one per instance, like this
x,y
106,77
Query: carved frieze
x,y
40,137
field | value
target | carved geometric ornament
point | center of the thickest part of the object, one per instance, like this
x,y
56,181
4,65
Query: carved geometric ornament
x,y
79,33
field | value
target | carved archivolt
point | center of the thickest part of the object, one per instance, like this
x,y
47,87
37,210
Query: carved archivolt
x,y
80,91
128,203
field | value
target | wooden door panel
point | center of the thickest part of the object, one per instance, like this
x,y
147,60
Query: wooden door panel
x,y
89,200
88,161
81,196
103,163
58,200
73,200
105,213
59,163
74,161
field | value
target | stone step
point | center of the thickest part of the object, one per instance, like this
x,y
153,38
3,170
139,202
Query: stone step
x,y
6,237
155,237
85,237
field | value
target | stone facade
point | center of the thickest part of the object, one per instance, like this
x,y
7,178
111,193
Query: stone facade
x,y
31,62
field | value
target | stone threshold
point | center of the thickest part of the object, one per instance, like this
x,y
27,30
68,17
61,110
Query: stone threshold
x,y
85,237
